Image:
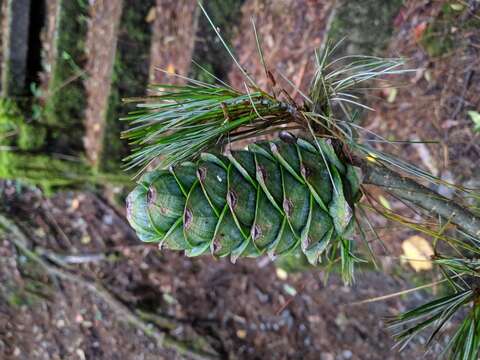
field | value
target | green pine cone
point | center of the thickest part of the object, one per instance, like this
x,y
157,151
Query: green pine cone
x,y
270,199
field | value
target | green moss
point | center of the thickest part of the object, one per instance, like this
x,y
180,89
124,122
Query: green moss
x,y
436,45
65,104
51,173
16,130
28,166
31,137
31,293
41,170
8,120
31,290
442,35
366,25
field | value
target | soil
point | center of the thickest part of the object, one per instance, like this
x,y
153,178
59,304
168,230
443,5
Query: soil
x,y
247,310
432,102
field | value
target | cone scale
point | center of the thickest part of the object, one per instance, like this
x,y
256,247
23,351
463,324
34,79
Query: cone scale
x,y
274,198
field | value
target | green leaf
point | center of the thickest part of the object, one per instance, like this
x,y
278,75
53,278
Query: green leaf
x,y
290,290
456,7
475,116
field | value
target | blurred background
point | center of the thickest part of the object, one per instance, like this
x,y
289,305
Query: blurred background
x,y
66,65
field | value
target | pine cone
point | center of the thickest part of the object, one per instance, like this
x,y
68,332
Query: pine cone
x,y
273,198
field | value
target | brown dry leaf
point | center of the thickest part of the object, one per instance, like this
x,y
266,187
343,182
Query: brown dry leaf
x,y
392,94
75,204
282,274
417,252
241,334
419,30
171,69
152,14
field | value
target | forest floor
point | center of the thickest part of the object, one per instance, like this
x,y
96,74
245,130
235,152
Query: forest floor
x,y
248,310
431,104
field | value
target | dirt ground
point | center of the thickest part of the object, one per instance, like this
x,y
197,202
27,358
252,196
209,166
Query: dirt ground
x,y
432,102
248,310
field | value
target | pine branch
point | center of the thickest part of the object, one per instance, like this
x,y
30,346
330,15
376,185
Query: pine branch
x,y
407,189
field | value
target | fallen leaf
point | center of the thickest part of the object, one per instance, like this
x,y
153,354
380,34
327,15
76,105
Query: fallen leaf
x,y
392,94
475,116
86,239
171,69
290,290
241,334
40,232
456,7
447,124
81,354
282,274
417,252
152,14
428,76
400,18
419,30
75,204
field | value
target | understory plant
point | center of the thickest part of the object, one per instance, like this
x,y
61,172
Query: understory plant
x,y
15,131
251,172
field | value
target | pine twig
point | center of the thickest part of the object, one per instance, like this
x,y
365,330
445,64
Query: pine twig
x,y
163,340
407,189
